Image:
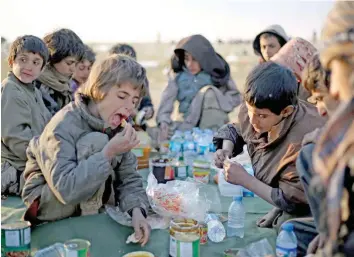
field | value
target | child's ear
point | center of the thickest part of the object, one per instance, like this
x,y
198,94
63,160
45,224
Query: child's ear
x,y
287,111
11,62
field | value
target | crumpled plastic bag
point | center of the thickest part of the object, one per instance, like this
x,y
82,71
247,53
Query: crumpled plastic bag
x,y
261,248
155,221
177,199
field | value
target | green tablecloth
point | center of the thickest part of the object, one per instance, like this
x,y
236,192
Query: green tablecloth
x,y
108,237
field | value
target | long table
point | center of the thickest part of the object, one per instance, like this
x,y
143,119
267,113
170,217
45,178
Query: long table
x,y
108,238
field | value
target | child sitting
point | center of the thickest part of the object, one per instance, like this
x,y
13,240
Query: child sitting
x,y
83,69
202,85
66,49
23,113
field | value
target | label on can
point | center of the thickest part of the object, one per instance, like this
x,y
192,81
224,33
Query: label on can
x,y
203,233
77,253
184,249
16,239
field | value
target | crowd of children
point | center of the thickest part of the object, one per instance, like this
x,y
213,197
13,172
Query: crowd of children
x,y
65,142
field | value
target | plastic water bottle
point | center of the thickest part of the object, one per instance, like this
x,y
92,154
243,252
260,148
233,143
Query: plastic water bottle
x,y
236,218
55,250
176,144
286,245
203,145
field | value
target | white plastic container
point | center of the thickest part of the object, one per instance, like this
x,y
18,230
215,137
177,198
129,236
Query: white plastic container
x,y
226,188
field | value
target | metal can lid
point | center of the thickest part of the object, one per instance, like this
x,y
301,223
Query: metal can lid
x,y
16,225
77,244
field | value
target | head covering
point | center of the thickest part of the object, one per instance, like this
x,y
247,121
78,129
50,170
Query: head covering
x,y
277,31
338,32
295,55
203,52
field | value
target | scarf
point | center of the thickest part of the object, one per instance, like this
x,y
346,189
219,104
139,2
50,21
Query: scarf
x,y
188,87
55,80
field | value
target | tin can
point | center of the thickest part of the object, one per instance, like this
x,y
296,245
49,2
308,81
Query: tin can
x,y
55,250
203,233
16,239
77,248
184,238
201,171
181,170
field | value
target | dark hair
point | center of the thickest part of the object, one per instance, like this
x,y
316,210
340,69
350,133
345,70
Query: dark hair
x,y
314,76
271,86
280,39
63,43
123,49
89,55
28,43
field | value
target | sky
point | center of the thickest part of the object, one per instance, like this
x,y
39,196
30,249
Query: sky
x,y
141,20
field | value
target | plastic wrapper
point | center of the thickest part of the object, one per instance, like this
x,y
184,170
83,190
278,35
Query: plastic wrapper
x,y
261,248
155,221
177,199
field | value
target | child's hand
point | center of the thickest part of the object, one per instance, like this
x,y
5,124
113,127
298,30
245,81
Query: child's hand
x,y
220,157
141,227
121,143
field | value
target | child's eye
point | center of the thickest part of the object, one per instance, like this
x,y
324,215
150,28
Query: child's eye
x,y
262,116
23,59
121,97
36,63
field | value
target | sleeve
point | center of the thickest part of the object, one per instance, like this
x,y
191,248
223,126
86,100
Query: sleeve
x,y
168,98
233,94
229,132
15,123
289,195
71,182
129,185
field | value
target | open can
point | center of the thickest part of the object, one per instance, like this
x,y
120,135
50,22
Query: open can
x,y
77,248
16,239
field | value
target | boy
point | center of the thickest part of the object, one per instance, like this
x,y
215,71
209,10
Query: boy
x,y
66,49
23,113
146,105
272,122
268,42
83,69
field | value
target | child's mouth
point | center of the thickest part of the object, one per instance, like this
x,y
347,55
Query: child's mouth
x,y
117,120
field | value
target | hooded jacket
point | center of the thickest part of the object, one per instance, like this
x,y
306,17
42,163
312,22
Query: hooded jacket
x,y
275,29
212,63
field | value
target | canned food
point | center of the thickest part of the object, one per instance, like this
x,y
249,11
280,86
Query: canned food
x,y
201,171
181,170
203,233
16,239
77,248
184,238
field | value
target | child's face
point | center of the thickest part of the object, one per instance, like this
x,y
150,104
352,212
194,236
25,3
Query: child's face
x,y
325,103
269,46
66,66
262,120
118,104
82,71
27,66
192,65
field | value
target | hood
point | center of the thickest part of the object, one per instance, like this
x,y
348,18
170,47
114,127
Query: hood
x,y
209,60
275,29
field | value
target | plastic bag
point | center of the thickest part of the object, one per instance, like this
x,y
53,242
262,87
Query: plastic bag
x,y
261,248
155,221
177,199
